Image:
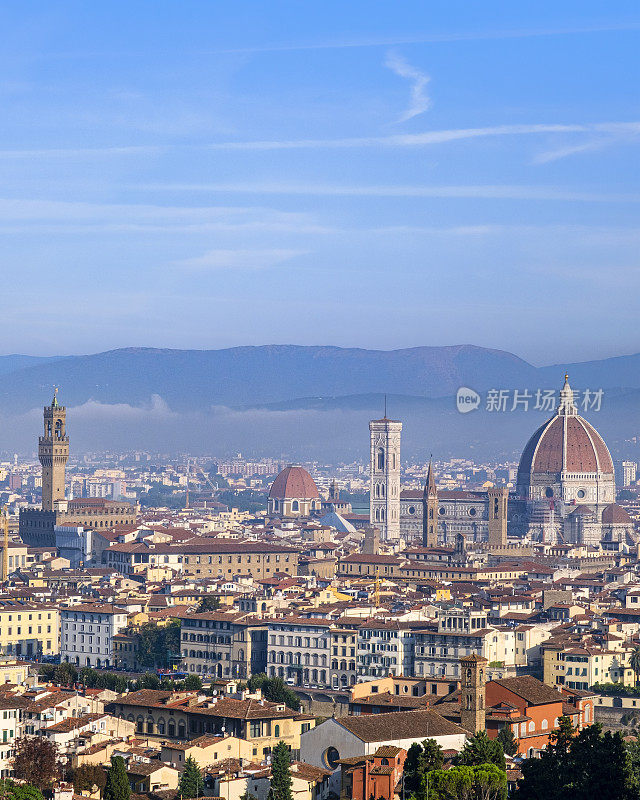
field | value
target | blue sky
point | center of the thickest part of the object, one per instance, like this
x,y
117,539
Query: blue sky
x,y
373,174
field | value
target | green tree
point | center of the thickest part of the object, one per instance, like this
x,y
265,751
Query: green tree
x,y
480,749
412,768
13,791
634,663
275,690
633,755
210,602
158,645
36,761
490,782
47,672
479,782
117,785
281,773
193,682
87,775
88,676
65,674
191,782
507,739
580,767
148,681
421,759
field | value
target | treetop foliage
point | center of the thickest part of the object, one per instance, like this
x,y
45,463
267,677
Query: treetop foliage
x,y
275,690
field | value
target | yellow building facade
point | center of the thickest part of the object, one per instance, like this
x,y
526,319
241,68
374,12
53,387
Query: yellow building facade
x,y
28,630
581,667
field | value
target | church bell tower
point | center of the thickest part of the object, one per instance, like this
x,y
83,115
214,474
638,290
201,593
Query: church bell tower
x,y
472,694
53,452
498,497
384,505
430,511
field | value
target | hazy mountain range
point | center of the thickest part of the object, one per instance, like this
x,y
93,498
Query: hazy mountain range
x,y
302,401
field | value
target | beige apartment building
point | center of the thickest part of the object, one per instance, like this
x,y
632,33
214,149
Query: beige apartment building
x,y
223,644
28,629
578,667
209,558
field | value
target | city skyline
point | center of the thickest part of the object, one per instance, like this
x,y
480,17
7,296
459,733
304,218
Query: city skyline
x,y
314,174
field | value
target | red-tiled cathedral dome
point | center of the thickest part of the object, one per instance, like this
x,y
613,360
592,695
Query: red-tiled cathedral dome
x,y
294,482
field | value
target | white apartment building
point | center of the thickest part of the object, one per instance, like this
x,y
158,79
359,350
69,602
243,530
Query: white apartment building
x,y
461,632
10,730
299,651
87,631
385,647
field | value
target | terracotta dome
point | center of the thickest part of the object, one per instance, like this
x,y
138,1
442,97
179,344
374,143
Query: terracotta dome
x,y
565,443
294,482
615,514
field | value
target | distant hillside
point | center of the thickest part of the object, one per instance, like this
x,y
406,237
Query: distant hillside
x,y
198,379
15,362
300,402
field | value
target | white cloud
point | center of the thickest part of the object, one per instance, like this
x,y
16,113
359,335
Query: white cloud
x,y
433,38
49,216
420,101
631,129
616,131
484,191
239,259
616,136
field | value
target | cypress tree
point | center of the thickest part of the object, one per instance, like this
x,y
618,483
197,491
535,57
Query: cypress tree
x,y
191,783
281,773
117,786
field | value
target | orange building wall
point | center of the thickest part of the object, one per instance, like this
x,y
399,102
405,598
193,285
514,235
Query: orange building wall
x,y
549,712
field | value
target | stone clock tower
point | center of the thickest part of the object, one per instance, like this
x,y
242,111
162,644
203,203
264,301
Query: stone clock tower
x,y
53,452
384,503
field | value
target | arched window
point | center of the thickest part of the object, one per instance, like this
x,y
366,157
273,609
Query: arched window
x,y
381,458
532,726
544,725
295,506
